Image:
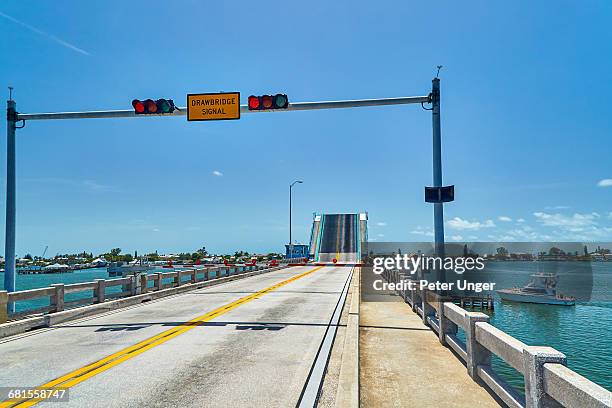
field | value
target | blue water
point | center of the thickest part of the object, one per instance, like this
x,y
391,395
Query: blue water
x,y
581,332
25,282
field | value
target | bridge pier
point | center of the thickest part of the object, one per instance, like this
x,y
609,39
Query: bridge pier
x,y
3,306
57,299
99,291
446,325
144,287
476,353
534,358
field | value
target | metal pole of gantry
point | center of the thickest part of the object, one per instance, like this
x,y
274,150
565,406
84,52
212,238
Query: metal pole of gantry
x,y
437,166
9,244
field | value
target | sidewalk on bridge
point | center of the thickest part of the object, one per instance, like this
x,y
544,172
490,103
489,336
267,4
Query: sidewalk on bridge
x,y
402,363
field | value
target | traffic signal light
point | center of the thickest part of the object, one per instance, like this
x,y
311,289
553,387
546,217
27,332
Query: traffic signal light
x,y
151,107
266,102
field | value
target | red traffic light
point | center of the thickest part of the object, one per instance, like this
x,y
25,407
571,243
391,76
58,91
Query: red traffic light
x,y
138,106
265,102
253,102
150,106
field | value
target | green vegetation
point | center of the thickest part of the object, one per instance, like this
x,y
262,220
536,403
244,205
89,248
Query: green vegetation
x,y
116,254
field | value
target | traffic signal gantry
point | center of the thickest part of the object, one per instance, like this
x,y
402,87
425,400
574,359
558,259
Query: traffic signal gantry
x,y
437,194
266,102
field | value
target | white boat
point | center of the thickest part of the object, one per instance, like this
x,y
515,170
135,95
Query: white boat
x,y
56,267
541,289
123,268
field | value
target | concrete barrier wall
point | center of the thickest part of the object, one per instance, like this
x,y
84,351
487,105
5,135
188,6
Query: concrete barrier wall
x,y
548,382
347,395
136,290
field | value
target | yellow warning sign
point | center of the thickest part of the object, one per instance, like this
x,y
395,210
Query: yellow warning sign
x,y
213,106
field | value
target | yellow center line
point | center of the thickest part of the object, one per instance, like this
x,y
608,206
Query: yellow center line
x,y
77,376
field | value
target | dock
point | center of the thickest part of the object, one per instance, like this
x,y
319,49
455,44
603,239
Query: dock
x,y
474,302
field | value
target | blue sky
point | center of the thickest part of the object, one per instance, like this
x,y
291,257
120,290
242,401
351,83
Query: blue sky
x,y
525,120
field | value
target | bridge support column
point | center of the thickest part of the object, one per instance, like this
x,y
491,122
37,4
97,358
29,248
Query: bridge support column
x,y
446,326
3,306
428,310
144,283
57,300
159,283
476,354
134,285
99,290
534,359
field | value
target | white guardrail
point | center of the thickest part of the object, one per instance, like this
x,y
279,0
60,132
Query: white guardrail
x,y
548,382
130,286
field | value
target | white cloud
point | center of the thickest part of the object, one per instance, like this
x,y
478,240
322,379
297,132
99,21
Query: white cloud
x,y
605,183
525,233
504,218
217,173
576,227
457,238
520,220
381,235
44,34
556,207
565,221
423,231
461,224
381,224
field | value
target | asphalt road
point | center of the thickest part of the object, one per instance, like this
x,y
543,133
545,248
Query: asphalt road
x,y
244,349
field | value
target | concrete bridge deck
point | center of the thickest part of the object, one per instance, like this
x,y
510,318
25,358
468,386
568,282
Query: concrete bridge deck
x,y
402,363
264,341
249,345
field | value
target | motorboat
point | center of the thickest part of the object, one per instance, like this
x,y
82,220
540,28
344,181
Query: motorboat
x,y
541,289
121,268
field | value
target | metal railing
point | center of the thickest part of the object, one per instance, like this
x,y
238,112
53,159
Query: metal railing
x,y
130,286
548,382
293,260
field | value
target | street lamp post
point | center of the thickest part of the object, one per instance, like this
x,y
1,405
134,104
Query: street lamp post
x,y
290,238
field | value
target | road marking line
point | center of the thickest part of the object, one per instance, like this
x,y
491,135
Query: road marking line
x,y
77,376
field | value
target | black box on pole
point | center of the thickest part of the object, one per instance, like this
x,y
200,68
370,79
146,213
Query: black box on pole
x,y
440,194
